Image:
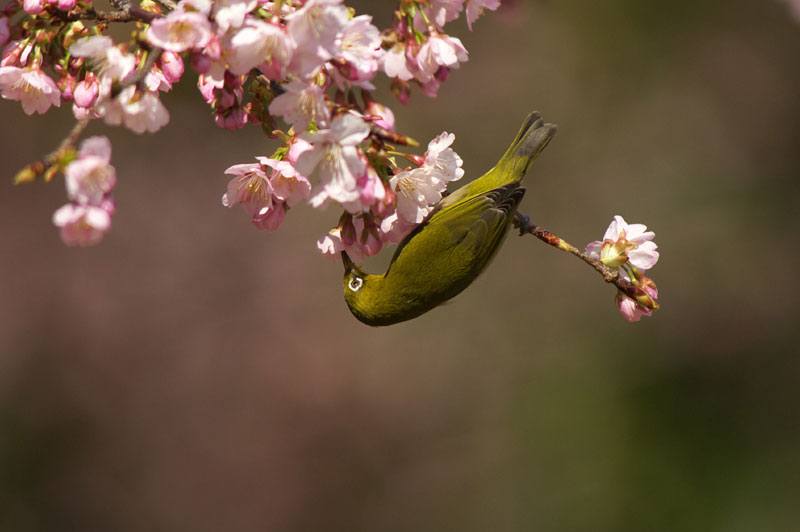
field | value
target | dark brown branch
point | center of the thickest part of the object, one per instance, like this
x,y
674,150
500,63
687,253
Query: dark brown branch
x,y
610,275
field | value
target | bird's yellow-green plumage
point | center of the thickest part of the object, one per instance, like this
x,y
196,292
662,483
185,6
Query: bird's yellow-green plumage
x,y
451,247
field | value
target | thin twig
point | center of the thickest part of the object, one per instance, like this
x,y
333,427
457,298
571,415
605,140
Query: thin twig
x,y
610,275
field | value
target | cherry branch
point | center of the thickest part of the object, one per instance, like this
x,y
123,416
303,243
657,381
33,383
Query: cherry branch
x,y
610,275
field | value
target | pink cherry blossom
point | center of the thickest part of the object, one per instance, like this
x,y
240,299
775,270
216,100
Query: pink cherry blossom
x,y
231,13
249,187
360,44
416,194
257,42
82,225
31,87
155,81
439,12
315,28
623,243
90,176
335,159
331,245
287,184
179,31
395,63
439,51
300,104
395,229
109,61
444,162
631,310
475,9
137,111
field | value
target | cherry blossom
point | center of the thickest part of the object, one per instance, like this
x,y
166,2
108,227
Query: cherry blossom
x,y
110,62
315,28
179,31
360,44
439,51
335,159
231,13
90,176
624,243
138,111
300,104
82,225
475,9
287,184
250,188
258,42
34,89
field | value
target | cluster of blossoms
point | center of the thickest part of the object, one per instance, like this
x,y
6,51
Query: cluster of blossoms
x,y
630,249
305,61
89,179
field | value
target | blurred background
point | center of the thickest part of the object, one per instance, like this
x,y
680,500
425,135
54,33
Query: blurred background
x,y
194,374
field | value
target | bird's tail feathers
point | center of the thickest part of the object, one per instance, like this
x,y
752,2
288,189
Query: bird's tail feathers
x,y
533,137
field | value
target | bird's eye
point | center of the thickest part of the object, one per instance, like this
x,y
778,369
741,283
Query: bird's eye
x,y
355,283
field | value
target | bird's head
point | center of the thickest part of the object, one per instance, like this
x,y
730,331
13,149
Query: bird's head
x,y
362,292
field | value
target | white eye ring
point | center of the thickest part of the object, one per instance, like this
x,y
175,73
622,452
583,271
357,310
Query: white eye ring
x,y
355,283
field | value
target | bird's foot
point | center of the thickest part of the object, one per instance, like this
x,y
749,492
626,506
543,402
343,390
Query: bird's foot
x,y
523,223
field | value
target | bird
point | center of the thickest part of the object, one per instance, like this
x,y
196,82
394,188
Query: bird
x,y
453,244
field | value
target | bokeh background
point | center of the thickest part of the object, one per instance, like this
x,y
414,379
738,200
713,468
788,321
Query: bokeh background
x,y
193,374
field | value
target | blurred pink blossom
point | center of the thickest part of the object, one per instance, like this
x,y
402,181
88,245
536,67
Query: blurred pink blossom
x,y
31,87
83,225
475,9
439,51
179,31
137,111
90,176
315,29
300,104
257,42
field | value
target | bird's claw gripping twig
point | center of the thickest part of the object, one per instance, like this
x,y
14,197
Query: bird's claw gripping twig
x,y
523,223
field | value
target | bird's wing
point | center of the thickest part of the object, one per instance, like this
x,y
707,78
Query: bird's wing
x,y
478,225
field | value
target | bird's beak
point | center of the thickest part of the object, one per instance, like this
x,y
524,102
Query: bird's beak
x,y
348,264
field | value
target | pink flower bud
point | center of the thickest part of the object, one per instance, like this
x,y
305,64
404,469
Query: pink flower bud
x,y
386,120
172,66
33,7
270,218
85,93
206,87
66,84
231,119
67,5
227,99
200,63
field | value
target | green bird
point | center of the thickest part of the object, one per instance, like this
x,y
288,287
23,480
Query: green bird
x,y
453,245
